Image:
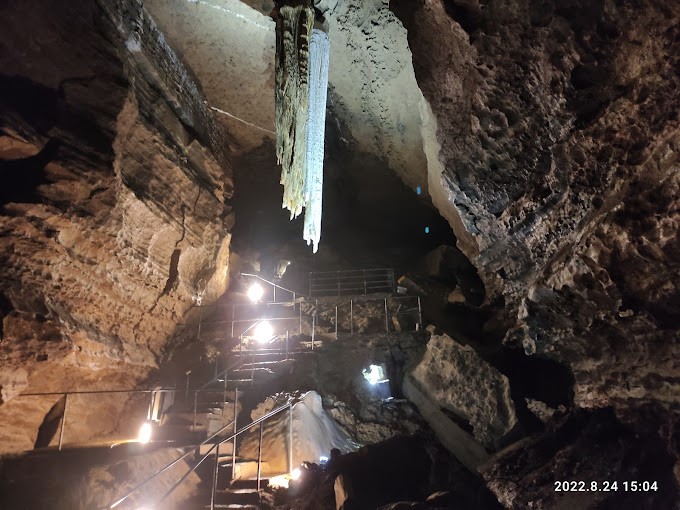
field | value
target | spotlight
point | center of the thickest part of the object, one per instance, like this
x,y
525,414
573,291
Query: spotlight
x,y
255,292
295,474
263,332
374,374
144,435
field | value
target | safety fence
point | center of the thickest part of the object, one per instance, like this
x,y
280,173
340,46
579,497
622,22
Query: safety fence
x,y
352,282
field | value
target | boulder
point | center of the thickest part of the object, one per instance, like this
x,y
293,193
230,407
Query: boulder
x,y
460,381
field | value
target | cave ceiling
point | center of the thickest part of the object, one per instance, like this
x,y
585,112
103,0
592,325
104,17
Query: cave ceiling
x,y
229,46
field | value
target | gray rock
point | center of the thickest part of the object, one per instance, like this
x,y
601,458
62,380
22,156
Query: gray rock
x,y
455,377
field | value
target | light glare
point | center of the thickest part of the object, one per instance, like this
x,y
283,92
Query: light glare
x,y
374,374
295,474
263,332
144,433
255,292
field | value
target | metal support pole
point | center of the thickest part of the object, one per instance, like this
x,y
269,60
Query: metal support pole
x,y
420,314
274,293
151,402
195,407
300,318
290,438
351,316
287,336
336,322
313,329
186,392
259,456
252,367
387,322
233,447
63,421
224,391
233,313
365,290
215,474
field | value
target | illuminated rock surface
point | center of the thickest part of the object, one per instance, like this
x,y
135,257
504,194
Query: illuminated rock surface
x,y
545,133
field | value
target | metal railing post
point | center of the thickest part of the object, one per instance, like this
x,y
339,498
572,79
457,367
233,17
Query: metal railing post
x,y
336,322
252,367
287,336
387,322
259,456
186,392
420,314
149,413
195,407
274,293
215,474
351,316
300,318
233,313
63,421
233,446
290,437
224,391
313,329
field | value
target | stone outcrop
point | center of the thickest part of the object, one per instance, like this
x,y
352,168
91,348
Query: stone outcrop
x,y
116,212
455,377
553,153
314,434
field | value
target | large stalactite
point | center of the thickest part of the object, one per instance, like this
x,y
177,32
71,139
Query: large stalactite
x,y
302,55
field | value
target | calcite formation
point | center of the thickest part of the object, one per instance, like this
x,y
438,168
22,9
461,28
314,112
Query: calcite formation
x,y
302,53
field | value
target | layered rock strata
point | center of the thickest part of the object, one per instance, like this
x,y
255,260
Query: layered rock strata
x,y
116,213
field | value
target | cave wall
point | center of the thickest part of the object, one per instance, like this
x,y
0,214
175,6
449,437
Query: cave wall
x,y
554,156
115,212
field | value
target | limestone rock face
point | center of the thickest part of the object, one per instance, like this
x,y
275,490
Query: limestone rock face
x,y
555,161
115,211
454,376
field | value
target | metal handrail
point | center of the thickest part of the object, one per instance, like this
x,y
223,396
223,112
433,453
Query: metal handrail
x,y
168,466
276,286
288,405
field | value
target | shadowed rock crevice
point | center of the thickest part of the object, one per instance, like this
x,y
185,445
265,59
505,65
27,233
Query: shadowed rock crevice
x,y
50,424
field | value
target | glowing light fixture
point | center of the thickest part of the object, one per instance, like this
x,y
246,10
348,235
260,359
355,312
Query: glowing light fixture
x,y
255,292
374,374
263,332
295,474
323,459
144,435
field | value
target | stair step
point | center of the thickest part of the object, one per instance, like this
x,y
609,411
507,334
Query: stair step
x,y
241,497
